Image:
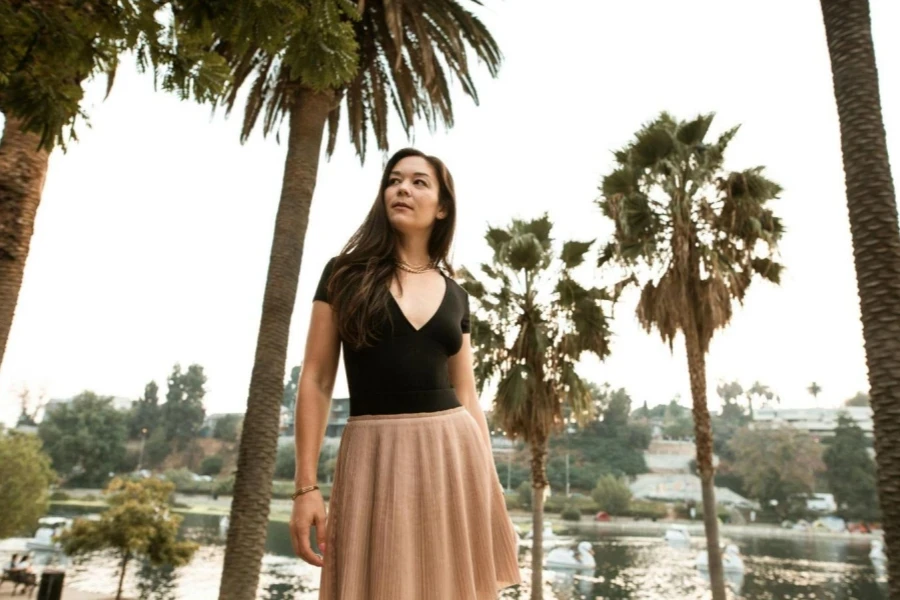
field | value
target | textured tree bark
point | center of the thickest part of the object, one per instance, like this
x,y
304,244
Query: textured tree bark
x,y
703,436
23,169
876,242
539,483
256,458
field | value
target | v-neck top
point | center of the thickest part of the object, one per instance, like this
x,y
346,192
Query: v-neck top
x,y
406,370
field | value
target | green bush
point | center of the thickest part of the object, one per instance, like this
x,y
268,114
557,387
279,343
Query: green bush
x,y
59,496
525,494
647,509
570,513
228,428
612,495
512,501
129,461
285,462
224,487
211,465
156,448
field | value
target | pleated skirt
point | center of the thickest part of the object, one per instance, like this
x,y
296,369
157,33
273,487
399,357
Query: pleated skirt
x,y
417,512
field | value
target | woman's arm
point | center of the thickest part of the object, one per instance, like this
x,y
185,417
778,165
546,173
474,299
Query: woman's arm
x,y
314,389
462,378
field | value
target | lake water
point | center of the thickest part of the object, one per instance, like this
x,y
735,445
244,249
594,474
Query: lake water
x,y
628,567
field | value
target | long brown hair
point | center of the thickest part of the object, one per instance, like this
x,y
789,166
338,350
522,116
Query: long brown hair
x,y
359,289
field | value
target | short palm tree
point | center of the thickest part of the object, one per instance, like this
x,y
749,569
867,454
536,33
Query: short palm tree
x,y
307,62
535,322
693,237
814,390
876,241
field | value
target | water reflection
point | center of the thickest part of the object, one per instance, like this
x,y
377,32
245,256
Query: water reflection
x,y
628,568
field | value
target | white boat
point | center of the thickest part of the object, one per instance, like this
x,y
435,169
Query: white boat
x,y
224,523
581,557
876,553
731,560
48,527
678,534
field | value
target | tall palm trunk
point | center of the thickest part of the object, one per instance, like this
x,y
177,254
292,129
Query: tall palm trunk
x,y
538,484
876,242
703,439
259,438
23,169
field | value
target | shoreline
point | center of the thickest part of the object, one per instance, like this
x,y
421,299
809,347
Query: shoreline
x,y
280,512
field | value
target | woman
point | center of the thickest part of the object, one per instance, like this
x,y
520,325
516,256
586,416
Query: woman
x,y
416,511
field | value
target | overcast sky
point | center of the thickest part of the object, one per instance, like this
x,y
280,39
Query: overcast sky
x,y
153,234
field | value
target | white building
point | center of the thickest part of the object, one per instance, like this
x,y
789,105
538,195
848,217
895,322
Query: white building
x,y
818,422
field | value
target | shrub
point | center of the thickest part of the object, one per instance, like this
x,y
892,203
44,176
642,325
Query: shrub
x,y
129,461
525,494
647,509
182,478
285,463
570,513
156,448
224,487
612,495
59,496
228,428
211,465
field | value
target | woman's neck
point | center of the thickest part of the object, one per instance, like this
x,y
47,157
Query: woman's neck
x,y
413,251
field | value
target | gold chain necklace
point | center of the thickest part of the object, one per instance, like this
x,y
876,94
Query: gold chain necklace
x,y
411,269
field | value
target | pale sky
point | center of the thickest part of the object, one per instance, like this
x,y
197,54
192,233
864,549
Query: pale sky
x,y
153,234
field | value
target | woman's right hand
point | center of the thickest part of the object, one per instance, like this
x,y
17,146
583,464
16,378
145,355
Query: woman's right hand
x,y
308,511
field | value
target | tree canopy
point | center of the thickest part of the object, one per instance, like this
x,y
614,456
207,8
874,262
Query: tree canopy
x,y
25,476
85,438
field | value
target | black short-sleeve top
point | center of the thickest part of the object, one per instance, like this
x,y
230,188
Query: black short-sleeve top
x,y
406,370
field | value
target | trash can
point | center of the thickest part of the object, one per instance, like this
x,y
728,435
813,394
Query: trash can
x,y
51,585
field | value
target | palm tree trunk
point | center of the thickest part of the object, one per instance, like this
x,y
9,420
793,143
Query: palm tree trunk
x,y
876,242
703,439
256,458
23,169
125,558
538,484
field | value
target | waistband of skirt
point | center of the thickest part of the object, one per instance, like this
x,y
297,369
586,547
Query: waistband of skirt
x,y
399,405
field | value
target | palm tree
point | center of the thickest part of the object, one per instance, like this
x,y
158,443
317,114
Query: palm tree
x,y
692,237
49,49
758,390
306,61
814,390
876,241
535,322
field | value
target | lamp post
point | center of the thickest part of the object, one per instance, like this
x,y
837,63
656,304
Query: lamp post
x,y
143,439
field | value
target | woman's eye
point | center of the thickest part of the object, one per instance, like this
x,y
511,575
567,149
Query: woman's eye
x,y
421,182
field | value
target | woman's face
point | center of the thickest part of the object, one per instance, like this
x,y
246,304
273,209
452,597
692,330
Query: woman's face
x,y
412,195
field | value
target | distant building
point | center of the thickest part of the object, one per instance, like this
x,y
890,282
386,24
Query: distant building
x,y
668,456
818,422
681,488
337,420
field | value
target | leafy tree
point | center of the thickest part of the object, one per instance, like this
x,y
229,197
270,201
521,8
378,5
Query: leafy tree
x,y
612,495
183,412
48,50
137,525
285,463
85,438
25,475
860,399
228,428
289,398
777,464
850,471
692,236
536,322
618,408
307,59
145,412
156,448
872,206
